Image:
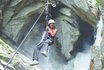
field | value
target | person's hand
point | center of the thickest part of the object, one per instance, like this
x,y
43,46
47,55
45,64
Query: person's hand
x,y
47,28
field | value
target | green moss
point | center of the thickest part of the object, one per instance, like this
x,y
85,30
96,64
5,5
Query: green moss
x,y
2,54
6,46
14,63
3,59
62,18
1,41
8,49
98,3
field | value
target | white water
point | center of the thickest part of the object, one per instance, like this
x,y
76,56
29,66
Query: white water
x,y
98,35
82,61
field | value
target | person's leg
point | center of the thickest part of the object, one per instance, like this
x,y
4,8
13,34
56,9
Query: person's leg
x,y
45,48
36,54
36,51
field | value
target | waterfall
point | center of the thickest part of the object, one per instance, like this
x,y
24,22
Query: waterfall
x,y
82,60
98,34
83,57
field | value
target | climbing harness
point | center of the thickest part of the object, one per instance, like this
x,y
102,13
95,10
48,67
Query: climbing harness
x,y
24,39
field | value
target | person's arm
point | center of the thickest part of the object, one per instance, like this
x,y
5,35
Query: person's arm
x,y
44,34
56,31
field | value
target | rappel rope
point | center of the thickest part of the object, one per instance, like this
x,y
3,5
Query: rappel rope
x,y
24,39
47,12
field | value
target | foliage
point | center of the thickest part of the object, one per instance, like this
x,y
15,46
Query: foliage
x,y
6,45
98,3
2,54
14,63
62,18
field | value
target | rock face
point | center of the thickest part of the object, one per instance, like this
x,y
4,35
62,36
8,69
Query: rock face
x,y
81,8
102,52
74,21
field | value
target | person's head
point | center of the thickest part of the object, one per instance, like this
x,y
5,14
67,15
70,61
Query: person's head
x,y
51,23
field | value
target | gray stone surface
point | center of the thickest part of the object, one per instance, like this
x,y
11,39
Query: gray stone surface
x,y
19,16
82,9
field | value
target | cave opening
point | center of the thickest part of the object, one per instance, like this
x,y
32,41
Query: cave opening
x,y
86,38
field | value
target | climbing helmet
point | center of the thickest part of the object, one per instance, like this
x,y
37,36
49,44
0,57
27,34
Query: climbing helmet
x,y
51,21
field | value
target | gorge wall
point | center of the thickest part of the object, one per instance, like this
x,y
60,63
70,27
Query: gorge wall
x,y
76,26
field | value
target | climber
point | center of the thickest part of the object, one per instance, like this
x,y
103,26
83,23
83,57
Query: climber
x,y
94,9
47,39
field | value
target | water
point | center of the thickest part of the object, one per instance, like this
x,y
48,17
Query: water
x,y
82,60
98,35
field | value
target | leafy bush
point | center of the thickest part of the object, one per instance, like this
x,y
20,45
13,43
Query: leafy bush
x,y
98,3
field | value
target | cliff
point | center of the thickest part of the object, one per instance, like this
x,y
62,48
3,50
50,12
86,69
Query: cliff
x,y
76,26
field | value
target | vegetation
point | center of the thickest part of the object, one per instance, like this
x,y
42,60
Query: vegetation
x,y
62,18
6,46
98,3
5,52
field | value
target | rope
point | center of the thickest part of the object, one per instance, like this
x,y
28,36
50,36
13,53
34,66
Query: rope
x,y
24,39
47,10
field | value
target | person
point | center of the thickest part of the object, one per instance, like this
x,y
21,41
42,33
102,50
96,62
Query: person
x,y
47,39
93,7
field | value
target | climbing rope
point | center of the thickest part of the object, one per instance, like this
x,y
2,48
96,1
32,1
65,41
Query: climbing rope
x,y
47,11
24,39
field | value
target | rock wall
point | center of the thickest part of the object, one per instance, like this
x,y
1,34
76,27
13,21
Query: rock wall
x,y
81,8
19,16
